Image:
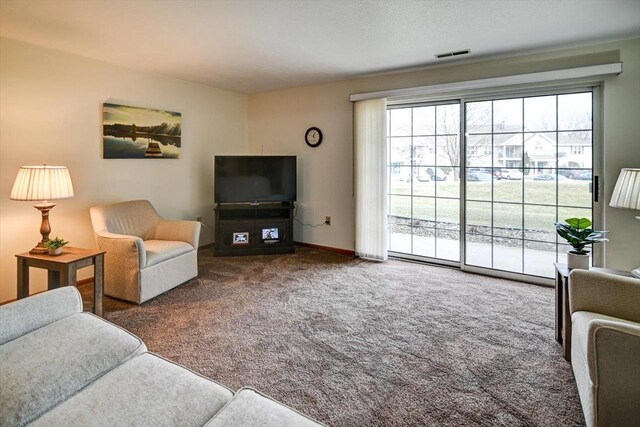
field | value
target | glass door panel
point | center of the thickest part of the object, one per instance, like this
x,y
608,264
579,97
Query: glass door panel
x,y
528,164
424,181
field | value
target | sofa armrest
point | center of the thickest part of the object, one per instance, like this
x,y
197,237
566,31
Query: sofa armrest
x,y
179,230
122,246
615,296
26,315
613,356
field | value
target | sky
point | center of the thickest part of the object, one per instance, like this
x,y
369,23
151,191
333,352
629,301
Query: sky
x,y
140,116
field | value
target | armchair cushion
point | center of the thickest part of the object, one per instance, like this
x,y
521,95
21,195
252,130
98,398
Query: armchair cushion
x,y
158,251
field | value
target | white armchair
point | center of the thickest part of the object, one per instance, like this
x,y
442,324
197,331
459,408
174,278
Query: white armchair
x,y
145,254
605,346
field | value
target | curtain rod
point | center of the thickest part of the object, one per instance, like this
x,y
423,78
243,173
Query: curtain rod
x,y
540,77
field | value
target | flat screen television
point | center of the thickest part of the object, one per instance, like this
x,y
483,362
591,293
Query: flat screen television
x,y
242,179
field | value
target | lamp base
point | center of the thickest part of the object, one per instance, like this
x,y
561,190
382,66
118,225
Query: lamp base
x,y
39,249
45,228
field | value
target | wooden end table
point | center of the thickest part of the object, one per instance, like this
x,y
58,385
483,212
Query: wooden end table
x,y
563,314
62,271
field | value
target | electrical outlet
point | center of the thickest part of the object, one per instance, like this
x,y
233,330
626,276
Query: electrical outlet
x,y
199,218
327,220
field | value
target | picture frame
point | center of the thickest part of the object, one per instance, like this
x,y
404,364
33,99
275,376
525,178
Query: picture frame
x,y
240,238
270,233
140,133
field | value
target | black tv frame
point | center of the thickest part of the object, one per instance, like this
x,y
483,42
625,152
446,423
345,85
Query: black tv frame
x,y
242,200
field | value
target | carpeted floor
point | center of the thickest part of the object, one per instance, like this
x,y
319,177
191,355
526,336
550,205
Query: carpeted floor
x,y
356,343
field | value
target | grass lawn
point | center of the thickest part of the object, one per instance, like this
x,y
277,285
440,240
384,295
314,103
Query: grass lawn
x,y
569,192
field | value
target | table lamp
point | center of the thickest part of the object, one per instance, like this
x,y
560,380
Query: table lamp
x,y
626,194
42,183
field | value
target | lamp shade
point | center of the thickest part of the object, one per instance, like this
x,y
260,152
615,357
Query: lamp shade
x,y
42,183
626,193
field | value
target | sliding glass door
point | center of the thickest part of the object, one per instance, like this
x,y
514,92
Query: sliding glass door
x,y
524,163
424,180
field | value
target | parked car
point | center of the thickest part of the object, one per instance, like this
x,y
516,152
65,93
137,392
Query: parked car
x,y
544,177
584,176
511,174
569,173
478,176
497,174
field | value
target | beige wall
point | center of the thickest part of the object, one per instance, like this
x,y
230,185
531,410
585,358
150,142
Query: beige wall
x,y
50,112
277,121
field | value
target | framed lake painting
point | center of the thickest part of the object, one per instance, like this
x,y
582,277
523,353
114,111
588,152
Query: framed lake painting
x,y
140,133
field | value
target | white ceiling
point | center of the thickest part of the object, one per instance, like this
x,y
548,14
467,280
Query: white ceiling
x,y
253,46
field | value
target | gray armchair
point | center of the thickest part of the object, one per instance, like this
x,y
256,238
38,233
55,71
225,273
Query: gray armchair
x,y
145,254
605,347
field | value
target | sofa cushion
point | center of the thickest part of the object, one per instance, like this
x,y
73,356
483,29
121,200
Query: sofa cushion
x,y
50,364
28,314
162,250
145,391
250,408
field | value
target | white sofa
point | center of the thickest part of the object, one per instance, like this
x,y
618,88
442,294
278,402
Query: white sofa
x,y
605,347
146,255
62,367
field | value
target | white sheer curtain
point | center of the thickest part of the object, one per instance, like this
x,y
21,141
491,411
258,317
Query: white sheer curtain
x,y
370,118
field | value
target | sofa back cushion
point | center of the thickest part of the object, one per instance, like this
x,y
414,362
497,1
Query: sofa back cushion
x,y
27,315
133,218
49,365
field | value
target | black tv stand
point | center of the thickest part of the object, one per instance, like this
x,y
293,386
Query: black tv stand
x,y
253,229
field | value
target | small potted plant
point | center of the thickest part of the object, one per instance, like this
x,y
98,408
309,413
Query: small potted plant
x,y
576,231
55,245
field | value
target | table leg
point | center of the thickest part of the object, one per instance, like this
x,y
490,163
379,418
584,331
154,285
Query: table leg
x,y
53,279
68,275
23,278
559,311
566,321
98,283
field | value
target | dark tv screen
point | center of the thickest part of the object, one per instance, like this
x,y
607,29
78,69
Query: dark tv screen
x,y
240,179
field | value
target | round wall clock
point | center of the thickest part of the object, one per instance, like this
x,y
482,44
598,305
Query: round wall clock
x,y
313,137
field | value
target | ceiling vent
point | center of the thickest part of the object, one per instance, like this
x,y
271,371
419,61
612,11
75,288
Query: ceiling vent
x,y
451,54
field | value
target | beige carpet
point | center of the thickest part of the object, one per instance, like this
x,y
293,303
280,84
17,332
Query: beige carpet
x,y
356,343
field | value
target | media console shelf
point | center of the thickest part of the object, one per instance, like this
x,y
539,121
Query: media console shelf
x,y
253,229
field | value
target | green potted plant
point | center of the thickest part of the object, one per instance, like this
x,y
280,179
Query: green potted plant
x,y
577,232
55,245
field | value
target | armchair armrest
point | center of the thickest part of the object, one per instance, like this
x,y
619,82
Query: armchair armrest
x,y
602,293
613,357
178,230
122,245
27,315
